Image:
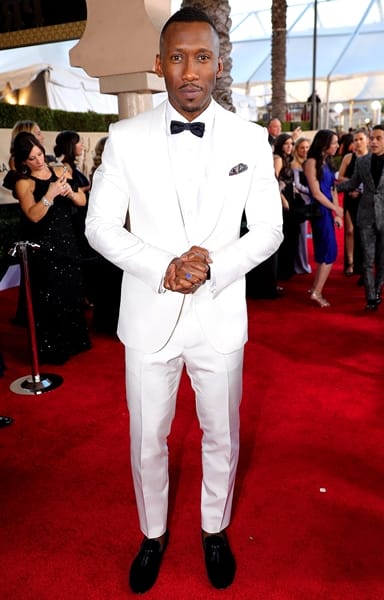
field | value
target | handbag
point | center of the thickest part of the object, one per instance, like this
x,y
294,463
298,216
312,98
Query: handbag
x,y
305,212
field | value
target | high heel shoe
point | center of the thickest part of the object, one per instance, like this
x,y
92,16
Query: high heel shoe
x,y
349,270
316,297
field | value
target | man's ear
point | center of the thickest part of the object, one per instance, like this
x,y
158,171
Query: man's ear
x,y
158,69
220,67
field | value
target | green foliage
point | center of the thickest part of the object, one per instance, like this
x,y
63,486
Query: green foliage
x,y
337,161
54,120
290,125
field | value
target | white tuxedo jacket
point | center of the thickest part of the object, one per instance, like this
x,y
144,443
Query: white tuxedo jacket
x,y
135,185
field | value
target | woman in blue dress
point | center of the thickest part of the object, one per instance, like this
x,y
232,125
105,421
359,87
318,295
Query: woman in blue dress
x,y
320,175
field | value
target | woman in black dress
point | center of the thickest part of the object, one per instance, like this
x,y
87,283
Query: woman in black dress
x,y
69,149
282,160
46,199
352,247
107,292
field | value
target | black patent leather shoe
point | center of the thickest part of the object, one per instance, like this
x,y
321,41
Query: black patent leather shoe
x,y
371,305
5,421
145,567
219,560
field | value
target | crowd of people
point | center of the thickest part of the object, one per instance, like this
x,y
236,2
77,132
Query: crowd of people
x,y
66,275
325,175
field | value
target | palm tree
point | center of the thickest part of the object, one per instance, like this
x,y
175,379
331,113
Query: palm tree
x,y
279,57
219,11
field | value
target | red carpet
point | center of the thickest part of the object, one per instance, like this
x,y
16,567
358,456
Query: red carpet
x,y
312,420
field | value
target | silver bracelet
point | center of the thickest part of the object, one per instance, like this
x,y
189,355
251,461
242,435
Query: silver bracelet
x,y
46,202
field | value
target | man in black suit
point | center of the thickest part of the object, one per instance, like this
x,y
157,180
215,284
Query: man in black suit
x,y
370,214
274,130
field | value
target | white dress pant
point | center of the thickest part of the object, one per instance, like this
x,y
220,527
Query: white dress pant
x,y
152,382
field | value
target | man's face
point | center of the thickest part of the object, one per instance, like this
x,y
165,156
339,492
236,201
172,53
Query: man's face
x,y
377,141
274,127
189,62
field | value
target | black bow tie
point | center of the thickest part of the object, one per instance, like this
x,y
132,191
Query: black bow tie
x,y
195,128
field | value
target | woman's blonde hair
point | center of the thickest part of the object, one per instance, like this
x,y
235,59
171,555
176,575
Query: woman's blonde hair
x,y
299,141
19,126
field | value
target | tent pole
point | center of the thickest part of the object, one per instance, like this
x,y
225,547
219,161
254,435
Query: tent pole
x,y
326,125
314,104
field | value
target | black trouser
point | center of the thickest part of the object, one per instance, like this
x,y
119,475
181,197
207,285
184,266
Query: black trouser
x,y
372,243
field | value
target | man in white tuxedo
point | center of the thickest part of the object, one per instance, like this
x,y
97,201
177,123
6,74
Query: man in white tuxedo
x,y
166,207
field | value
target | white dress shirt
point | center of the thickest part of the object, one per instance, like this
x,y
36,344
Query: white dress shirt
x,y
189,157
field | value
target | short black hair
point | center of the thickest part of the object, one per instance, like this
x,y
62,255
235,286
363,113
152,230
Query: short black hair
x,y
378,126
189,14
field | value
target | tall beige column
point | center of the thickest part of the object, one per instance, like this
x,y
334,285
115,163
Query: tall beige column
x,y
119,46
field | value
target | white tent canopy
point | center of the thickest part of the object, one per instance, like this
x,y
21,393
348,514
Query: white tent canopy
x,y
349,63
66,87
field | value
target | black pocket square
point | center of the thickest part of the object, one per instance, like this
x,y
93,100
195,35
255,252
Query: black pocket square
x,y
240,168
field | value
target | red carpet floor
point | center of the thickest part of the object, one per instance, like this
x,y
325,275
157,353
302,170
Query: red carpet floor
x,y
308,520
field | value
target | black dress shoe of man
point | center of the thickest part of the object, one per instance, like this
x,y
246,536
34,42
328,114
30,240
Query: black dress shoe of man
x,y
5,421
219,560
145,567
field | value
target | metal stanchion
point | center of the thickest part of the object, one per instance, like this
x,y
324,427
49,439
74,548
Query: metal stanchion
x,y
37,383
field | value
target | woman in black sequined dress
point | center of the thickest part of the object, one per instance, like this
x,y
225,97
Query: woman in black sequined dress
x,y
46,198
282,159
69,149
